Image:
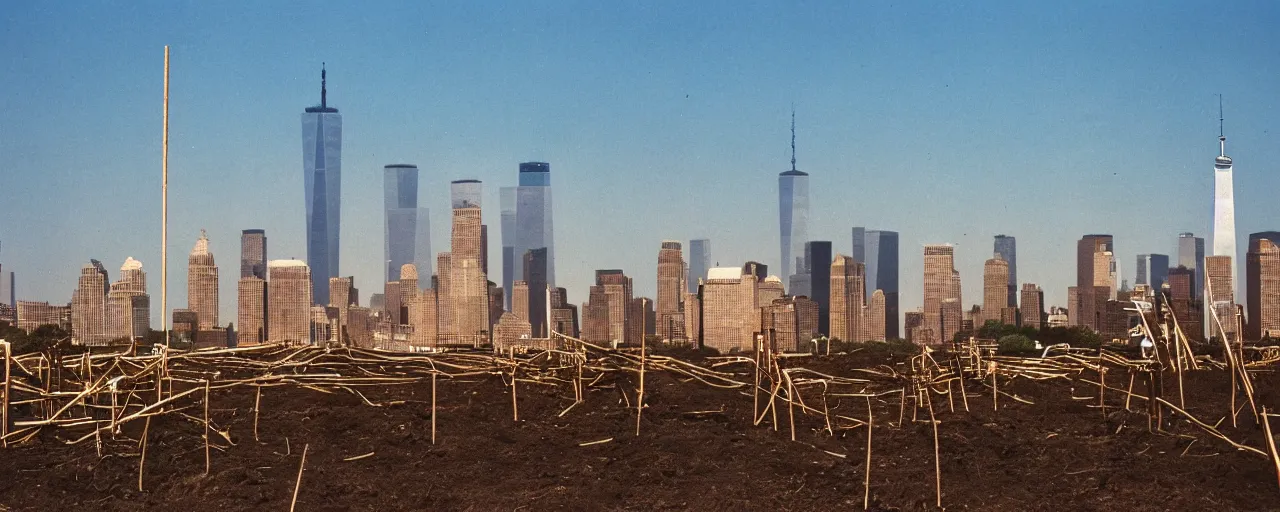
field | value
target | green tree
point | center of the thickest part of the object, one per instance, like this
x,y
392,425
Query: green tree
x,y
1015,344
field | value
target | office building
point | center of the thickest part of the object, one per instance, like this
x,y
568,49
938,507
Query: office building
x,y
1094,269
322,176
533,215
793,215
882,274
859,253
1224,204
729,316
699,262
1191,255
1006,248
406,224
846,298
89,306
1031,307
1153,270
202,284
289,302
1220,297
670,289
251,311
1262,273
32,315
995,289
253,253
940,292
817,258
536,271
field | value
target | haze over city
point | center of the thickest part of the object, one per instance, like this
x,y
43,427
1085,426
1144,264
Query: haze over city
x,y
659,121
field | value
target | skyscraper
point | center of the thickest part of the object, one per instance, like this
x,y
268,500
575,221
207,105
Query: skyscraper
x,y
939,267
251,289
729,313
793,216
995,288
817,262
1220,297
407,227
536,269
534,227
699,262
1153,271
1093,271
202,284
670,290
253,253
289,310
1191,255
1224,203
89,306
507,229
463,294
859,253
847,280
251,311
128,308
1262,273
1006,248
882,274
322,175
1032,306
466,193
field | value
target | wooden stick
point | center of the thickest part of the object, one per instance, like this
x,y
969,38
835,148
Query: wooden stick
x,y
640,394
298,485
1102,390
791,406
755,398
206,426
866,494
257,401
4,401
515,409
1271,443
145,427
937,461
1129,394
433,408
995,392
902,403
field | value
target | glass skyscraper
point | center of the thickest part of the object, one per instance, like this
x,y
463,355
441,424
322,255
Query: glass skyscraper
x,y
527,225
793,219
1006,248
1191,255
533,214
882,274
407,227
699,262
322,174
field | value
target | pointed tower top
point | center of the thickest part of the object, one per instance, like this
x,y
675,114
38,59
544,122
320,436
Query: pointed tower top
x,y
324,102
1222,161
793,137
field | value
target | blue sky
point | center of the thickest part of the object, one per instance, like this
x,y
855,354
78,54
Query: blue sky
x,y
942,121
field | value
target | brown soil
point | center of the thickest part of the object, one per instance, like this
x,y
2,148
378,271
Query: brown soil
x,y
1058,453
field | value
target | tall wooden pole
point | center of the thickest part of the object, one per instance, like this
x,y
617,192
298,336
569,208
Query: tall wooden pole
x,y
164,206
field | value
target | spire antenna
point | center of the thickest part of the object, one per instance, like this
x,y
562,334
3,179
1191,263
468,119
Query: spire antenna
x,y
323,91
1222,137
793,136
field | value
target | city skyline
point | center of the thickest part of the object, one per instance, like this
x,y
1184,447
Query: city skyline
x,y
48,271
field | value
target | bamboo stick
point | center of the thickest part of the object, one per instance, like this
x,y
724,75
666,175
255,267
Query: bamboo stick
x,y
5,399
1271,443
143,460
257,401
433,409
866,493
298,485
206,427
640,393
791,406
937,460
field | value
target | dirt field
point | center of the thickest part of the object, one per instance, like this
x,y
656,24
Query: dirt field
x,y
697,450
